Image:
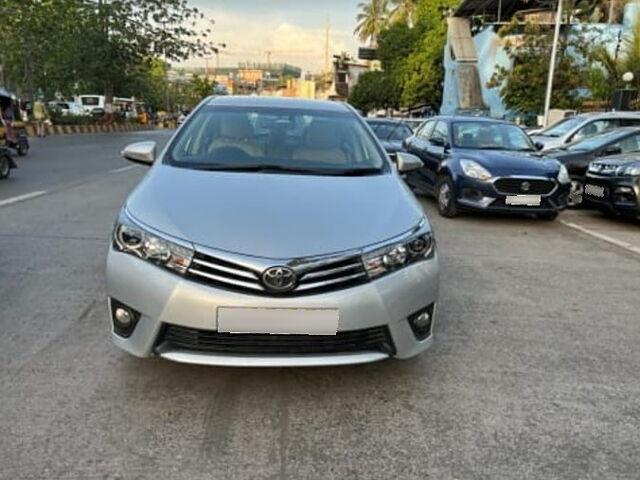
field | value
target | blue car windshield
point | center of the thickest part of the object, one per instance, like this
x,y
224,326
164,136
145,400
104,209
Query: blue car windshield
x,y
278,139
490,136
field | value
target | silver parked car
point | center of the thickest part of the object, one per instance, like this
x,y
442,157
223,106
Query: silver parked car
x,y
272,232
579,127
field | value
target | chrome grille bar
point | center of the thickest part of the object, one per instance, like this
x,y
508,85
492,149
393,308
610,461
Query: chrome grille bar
x,y
310,286
232,271
325,273
227,280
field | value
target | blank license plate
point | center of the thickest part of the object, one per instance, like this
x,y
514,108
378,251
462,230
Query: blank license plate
x,y
530,200
595,190
300,321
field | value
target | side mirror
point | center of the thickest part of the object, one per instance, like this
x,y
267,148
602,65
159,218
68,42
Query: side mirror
x,y
539,146
438,141
407,162
140,152
611,151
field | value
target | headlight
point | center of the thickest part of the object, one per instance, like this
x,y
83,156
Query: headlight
x,y
395,256
631,171
473,169
563,175
128,237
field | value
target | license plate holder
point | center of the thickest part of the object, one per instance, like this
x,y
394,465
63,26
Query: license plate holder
x,y
527,200
278,321
594,190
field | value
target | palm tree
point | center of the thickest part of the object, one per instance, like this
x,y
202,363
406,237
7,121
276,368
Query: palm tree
x,y
403,11
372,19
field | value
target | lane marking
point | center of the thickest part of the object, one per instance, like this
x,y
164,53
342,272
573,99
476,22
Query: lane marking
x,y
123,169
22,198
618,243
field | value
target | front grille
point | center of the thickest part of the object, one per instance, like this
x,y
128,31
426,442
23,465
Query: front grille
x,y
375,339
315,277
518,186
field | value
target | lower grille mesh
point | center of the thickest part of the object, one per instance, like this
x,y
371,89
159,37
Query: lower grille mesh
x,y
371,339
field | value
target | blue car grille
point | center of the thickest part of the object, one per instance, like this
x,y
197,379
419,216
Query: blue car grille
x,y
524,186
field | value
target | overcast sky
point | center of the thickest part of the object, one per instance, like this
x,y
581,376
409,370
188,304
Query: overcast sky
x,y
293,30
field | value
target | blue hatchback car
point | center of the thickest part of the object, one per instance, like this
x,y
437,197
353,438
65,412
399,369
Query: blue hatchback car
x,y
473,163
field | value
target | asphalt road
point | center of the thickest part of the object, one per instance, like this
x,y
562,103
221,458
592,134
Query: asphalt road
x,y
534,373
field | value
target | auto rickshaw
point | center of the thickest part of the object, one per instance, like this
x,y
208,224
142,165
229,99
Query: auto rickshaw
x,y
13,132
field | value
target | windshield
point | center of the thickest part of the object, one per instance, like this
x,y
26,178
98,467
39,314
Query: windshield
x,y
594,143
89,101
562,127
490,136
390,131
304,141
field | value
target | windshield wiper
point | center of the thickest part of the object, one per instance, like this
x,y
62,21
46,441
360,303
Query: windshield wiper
x,y
258,168
355,172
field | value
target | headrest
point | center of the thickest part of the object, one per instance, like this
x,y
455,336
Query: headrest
x,y
322,134
236,126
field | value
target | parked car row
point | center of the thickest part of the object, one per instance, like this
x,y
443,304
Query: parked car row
x,y
474,163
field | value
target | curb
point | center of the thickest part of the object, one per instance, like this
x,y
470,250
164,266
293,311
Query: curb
x,y
82,129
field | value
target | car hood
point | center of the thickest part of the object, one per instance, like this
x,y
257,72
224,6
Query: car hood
x,y
548,142
566,155
500,162
274,215
624,160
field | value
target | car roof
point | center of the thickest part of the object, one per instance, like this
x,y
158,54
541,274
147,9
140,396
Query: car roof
x,y
596,115
384,120
278,102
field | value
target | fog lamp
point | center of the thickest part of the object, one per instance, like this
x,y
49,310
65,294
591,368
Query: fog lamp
x,y
124,318
421,321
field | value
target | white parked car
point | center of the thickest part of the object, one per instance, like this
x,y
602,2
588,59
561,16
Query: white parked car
x,y
67,108
579,127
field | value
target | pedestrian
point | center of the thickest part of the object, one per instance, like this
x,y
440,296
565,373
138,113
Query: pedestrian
x,y
40,116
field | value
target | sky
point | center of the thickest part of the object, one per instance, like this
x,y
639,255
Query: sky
x,y
293,30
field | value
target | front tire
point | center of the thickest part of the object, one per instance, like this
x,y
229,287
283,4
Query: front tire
x,y
5,167
445,197
22,149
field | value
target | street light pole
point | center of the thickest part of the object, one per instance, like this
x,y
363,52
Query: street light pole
x,y
552,64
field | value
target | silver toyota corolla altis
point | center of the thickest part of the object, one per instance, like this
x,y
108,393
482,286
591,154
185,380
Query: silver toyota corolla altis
x,y
272,232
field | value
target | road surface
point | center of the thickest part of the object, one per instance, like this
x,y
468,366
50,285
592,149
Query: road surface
x,y
533,375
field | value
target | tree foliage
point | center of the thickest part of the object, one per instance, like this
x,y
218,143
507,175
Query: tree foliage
x,y
374,91
99,46
411,51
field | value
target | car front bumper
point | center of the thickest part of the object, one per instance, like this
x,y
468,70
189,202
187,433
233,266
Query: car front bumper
x,y
621,194
165,299
477,195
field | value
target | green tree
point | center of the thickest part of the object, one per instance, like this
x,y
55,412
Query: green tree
x,y
374,91
523,84
372,20
403,11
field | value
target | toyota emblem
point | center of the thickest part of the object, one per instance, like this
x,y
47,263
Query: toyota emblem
x,y
525,186
279,279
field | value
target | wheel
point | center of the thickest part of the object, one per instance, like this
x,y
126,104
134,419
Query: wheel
x,y
547,216
445,197
22,149
576,193
5,167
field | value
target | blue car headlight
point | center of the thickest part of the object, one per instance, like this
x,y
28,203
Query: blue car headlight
x,y
394,256
473,169
563,175
131,238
